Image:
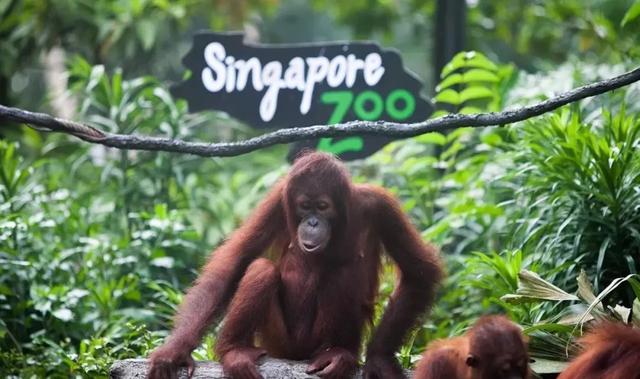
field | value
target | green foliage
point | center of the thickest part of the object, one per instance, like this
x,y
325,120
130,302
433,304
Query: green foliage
x,y
98,245
97,28
517,30
449,181
12,172
553,338
69,286
105,30
364,16
449,185
472,83
632,13
533,198
583,181
139,36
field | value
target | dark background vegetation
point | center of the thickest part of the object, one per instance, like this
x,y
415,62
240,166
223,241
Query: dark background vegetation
x,y
97,245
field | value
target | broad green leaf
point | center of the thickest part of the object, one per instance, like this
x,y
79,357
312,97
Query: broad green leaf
x,y
449,81
409,205
635,285
479,75
470,110
480,61
116,85
432,138
632,13
146,30
491,139
448,96
468,59
473,93
97,73
458,61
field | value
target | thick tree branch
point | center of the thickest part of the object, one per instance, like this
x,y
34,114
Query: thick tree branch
x,y
282,136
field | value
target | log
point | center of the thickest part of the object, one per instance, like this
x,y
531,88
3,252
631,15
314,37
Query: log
x,y
270,368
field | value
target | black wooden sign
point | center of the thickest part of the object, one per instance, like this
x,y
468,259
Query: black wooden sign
x,y
281,86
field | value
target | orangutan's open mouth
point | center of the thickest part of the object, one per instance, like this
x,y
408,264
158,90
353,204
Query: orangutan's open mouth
x,y
310,247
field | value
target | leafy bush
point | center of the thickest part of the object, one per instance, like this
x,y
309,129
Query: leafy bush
x,y
537,196
583,181
98,245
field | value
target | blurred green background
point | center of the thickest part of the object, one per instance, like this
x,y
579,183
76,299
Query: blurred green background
x,y
97,245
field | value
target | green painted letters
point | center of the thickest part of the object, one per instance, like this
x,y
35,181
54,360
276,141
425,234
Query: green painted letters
x,y
368,106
